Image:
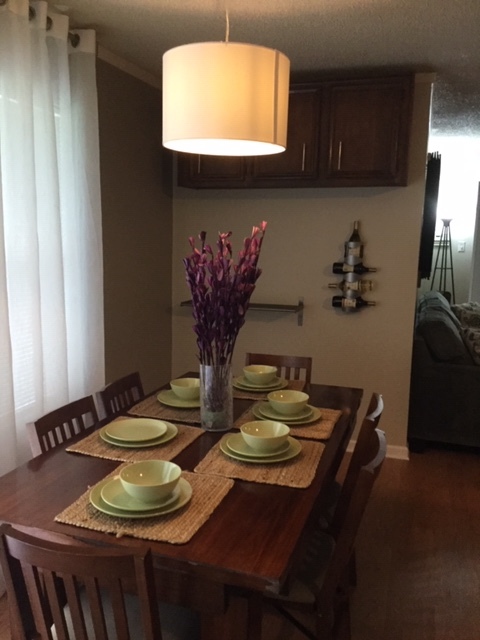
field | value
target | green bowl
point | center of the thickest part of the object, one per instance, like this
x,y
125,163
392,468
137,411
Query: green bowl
x,y
150,480
288,401
264,436
261,374
186,388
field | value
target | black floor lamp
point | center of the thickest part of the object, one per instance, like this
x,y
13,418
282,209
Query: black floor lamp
x,y
445,258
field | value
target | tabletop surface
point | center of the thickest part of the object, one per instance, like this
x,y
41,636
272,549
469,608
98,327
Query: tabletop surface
x,y
251,539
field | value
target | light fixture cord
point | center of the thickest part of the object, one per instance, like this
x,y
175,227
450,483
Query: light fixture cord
x,y
227,25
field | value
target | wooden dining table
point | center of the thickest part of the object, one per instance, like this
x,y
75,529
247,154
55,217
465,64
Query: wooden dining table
x,y
247,546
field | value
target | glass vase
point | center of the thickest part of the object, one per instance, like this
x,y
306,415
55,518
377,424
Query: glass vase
x,y
216,397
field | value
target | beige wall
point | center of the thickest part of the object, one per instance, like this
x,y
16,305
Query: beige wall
x,y
137,228
306,230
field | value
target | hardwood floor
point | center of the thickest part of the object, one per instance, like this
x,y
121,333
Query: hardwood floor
x,y
419,551
418,555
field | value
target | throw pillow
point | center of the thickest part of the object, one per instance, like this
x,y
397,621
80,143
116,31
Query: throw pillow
x,y
468,314
471,338
442,337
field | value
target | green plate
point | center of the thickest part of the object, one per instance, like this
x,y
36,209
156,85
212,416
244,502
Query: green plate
x,y
293,450
237,444
263,411
169,434
136,429
166,396
115,495
245,385
270,413
99,503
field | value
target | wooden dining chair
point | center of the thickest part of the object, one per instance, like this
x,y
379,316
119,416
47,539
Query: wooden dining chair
x,y
122,394
288,367
369,424
328,504
42,575
63,423
321,586
365,434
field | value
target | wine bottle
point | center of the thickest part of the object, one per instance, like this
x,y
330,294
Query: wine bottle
x,y
343,267
355,237
354,246
350,304
356,285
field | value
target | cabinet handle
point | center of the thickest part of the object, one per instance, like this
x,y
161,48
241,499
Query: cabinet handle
x,y
339,162
304,147
199,163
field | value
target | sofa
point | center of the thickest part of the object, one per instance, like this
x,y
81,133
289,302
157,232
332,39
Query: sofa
x,y
445,377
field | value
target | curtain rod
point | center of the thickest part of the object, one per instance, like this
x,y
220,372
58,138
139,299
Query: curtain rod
x,y
73,38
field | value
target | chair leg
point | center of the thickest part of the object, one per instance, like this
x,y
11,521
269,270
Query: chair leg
x,y
326,627
296,623
343,630
352,569
334,625
334,622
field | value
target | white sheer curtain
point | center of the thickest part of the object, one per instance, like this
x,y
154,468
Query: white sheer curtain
x,y
51,281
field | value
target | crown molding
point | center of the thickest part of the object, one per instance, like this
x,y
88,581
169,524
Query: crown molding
x,y
128,67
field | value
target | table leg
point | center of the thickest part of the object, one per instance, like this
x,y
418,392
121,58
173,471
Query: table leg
x,y
255,611
242,619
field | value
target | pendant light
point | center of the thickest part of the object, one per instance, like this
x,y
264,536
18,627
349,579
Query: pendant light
x,y
225,98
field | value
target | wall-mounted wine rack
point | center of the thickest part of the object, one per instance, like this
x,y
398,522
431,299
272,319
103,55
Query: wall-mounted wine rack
x,y
352,268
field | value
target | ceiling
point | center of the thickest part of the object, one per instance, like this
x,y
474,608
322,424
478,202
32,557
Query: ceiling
x,y
317,35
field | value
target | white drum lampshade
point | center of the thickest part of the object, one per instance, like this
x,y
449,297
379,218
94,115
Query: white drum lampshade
x,y
225,98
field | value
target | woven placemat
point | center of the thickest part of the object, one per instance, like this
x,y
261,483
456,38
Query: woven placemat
x,y
177,527
319,430
296,385
297,472
94,446
152,408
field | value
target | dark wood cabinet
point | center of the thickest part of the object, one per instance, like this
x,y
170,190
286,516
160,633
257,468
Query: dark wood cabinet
x,y
201,171
366,130
298,164
341,133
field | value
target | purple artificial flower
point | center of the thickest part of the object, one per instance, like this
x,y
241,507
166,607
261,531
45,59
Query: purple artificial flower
x,y
221,292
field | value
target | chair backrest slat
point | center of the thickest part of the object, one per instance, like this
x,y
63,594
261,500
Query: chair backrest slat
x,y
94,599
288,367
121,394
39,606
119,612
50,583
73,598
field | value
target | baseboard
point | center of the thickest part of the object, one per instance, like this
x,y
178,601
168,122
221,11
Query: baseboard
x,y
398,453
393,451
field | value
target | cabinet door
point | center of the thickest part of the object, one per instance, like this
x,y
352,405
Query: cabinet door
x,y
367,128
298,164
212,172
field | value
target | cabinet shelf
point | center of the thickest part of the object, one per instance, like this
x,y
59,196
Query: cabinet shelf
x,y
276,308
